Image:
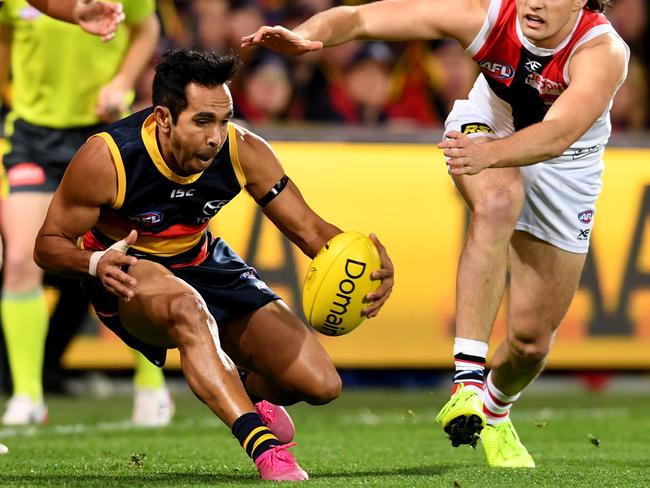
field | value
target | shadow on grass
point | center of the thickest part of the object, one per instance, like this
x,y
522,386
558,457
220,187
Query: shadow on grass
x,y
436,470
186,479
140,479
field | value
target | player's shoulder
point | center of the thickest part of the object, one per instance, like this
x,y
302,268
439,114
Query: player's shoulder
x,y
93,158
608,45
604,57
248,143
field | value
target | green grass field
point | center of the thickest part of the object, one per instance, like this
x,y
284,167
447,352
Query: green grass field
x,y
366,438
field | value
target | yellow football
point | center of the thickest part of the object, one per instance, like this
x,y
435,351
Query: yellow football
x,y
337,281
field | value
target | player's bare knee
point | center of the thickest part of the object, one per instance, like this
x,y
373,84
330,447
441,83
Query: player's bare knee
x,y
499,207
186,316
530,350
324,389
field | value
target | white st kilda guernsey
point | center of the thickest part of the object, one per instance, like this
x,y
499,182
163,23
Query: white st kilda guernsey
x,y
520,81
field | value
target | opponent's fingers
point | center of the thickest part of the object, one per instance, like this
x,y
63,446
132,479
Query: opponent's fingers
x,y
462,169
266,31
454,152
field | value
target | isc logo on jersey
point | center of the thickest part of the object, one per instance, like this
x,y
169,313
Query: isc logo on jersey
x,y
499,71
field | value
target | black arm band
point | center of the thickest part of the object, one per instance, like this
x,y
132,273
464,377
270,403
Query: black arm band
x,y
273,192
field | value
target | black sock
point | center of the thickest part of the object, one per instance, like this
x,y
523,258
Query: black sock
x,y
253,435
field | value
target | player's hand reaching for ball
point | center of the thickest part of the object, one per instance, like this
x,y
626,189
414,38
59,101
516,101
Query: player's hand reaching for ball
x,y
109,266
378,297
281,40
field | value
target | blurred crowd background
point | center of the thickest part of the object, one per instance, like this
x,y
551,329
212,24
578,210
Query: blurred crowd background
x,y
411,84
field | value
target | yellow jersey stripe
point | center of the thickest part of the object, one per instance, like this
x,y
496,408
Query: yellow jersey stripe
x,y
234,155
119,168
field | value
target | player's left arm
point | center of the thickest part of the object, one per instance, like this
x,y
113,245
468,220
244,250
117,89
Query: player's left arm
x,y
98,18
596,71
287,209
143,39
293,216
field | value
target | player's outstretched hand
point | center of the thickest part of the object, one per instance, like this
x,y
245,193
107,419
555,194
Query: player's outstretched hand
x,y
464,155
386,275
98,18
281,40
109,268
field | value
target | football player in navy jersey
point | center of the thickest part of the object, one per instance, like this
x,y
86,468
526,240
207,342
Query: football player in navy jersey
x,y
525,152
138,195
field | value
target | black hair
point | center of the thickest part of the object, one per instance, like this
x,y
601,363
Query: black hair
x,y
598,5
181,67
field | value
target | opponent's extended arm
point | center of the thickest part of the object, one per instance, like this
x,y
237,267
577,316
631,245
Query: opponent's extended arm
x,y
393,20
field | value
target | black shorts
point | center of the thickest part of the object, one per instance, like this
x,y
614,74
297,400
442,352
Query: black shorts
x,y
38,156
228,285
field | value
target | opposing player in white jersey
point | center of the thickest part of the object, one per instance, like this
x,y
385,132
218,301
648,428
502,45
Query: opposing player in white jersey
x,y
524,151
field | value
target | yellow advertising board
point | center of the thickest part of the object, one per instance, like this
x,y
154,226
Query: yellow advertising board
x,y
402,193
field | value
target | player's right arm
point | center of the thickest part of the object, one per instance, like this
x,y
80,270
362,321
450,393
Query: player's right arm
x,y
391,20
89,183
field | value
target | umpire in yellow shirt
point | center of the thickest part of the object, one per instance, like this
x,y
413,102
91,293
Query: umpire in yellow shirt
x,y
65,85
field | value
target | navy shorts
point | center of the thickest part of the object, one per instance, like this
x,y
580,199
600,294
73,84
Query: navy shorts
x,y
229,286
38,156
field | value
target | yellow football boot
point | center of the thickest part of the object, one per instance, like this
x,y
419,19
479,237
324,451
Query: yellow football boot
x,y
462,417
503,449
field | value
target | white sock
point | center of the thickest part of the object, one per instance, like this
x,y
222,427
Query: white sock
x,y
496,404
469,358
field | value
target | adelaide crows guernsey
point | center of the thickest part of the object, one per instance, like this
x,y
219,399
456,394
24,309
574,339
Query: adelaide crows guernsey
x,y
529,78
170,212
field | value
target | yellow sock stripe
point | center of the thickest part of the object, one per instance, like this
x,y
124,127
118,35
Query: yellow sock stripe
x,y
255,431
262,438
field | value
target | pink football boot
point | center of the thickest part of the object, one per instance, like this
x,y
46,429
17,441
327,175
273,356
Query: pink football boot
x,y
277,419
278,464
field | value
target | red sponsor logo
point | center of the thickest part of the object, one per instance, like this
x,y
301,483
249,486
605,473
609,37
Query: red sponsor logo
x,y
26,174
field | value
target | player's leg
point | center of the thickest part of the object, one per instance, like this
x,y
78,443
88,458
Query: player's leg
x,y
167,312
286,361
24,310
543,281
495,198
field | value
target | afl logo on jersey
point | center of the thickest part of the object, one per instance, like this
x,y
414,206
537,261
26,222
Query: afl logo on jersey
x,y
147,218
585,216
498,71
